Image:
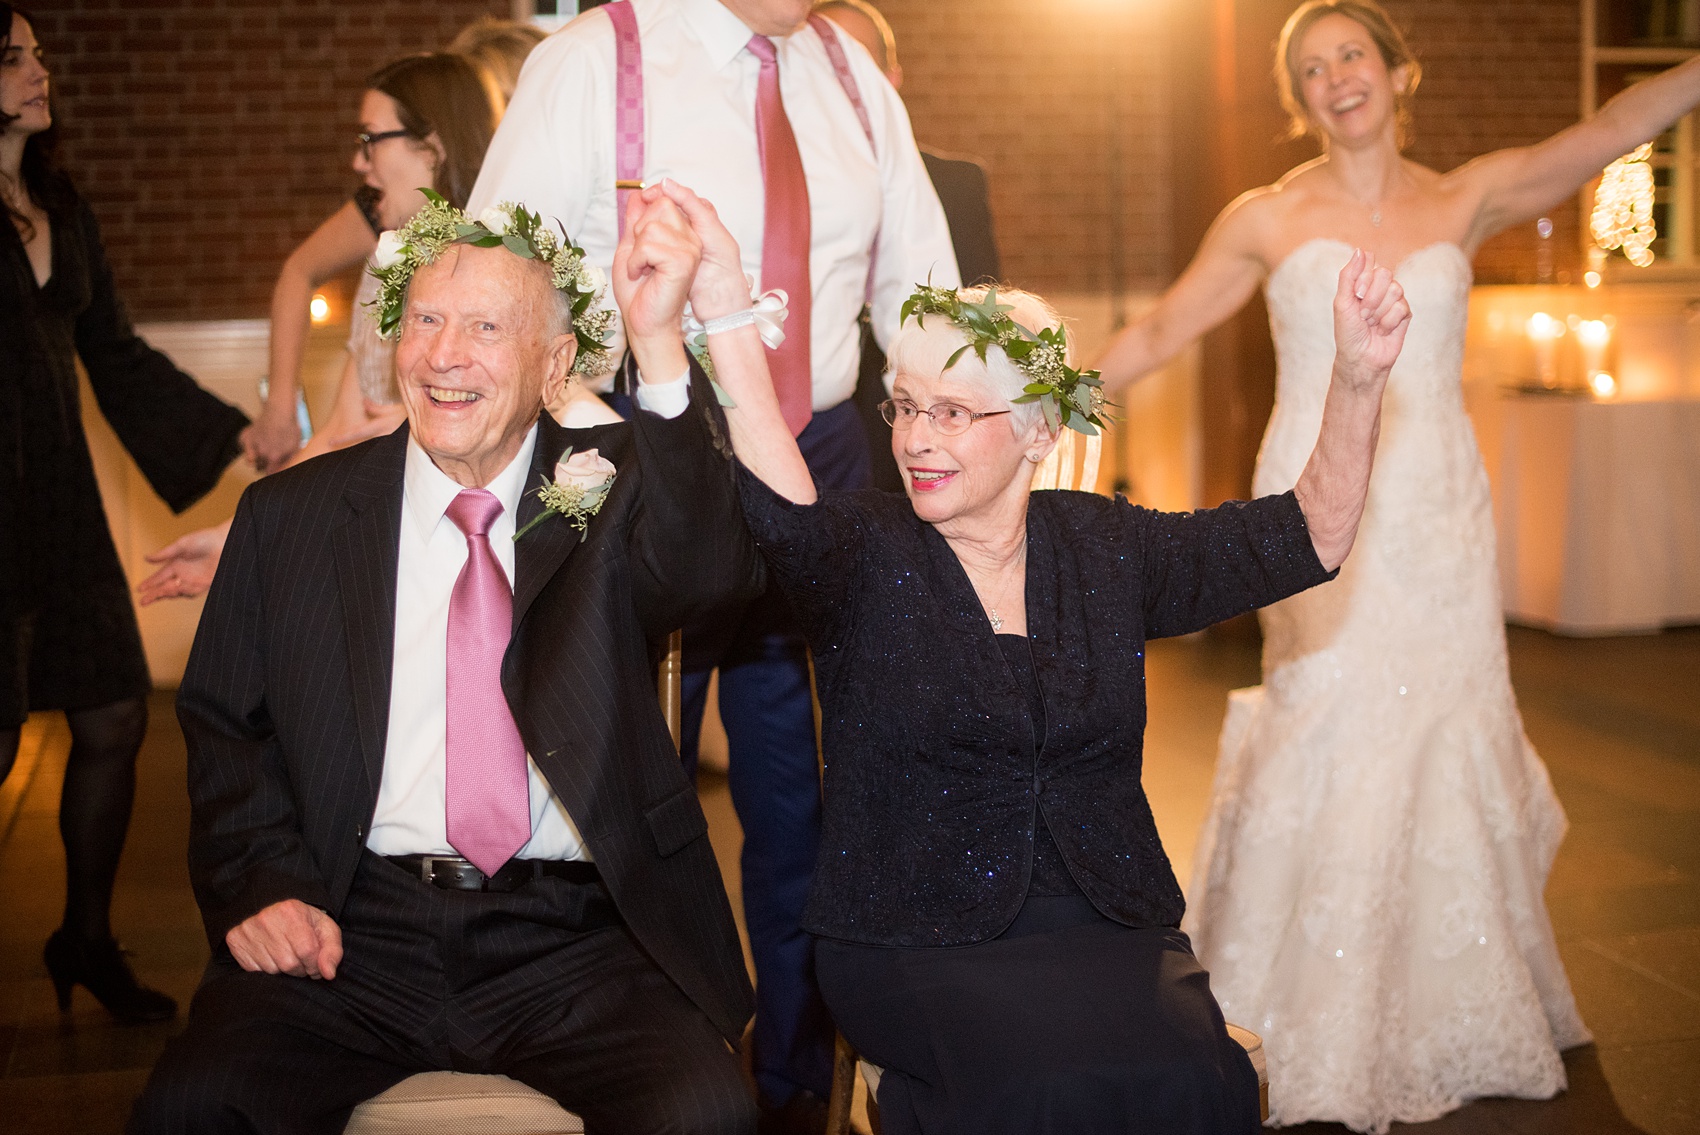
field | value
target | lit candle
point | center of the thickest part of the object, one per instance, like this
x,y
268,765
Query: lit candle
x,y
1544,333
1594,336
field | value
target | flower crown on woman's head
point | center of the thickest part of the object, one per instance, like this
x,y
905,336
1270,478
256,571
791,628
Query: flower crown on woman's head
x,y
1066,396
401,253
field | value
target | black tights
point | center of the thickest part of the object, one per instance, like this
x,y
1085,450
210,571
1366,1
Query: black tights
x,y
94,805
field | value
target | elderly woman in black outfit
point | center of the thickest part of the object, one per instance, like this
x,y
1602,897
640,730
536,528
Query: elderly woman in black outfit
x,y
68,635
997,919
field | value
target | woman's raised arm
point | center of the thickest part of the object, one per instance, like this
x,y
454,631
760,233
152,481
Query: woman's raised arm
x,y
760,437
1520,184
1224,273
1370,318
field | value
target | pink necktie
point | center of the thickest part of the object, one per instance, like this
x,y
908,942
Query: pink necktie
x,y
488,794
784,238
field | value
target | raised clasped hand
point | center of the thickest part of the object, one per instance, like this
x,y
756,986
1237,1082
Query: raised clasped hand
x,y
288,937
1370,320
720,288
654,267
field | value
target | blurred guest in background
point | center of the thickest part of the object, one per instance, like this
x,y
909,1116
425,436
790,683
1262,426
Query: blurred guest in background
x,y
497,49
962,190
808,153
68,635
425,120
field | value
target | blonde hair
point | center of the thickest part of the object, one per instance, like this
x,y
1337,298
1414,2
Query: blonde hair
x,y
924,349
888,38
1388,39
497,48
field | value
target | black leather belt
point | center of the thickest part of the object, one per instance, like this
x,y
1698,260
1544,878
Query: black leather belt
x,y
455,874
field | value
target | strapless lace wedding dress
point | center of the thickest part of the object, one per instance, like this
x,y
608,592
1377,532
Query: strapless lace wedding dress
x,y
1368,888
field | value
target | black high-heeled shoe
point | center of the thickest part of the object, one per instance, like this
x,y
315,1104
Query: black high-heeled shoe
x,y
100,967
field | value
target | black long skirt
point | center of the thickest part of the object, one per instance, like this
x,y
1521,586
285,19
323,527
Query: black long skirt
x,y
1067,1024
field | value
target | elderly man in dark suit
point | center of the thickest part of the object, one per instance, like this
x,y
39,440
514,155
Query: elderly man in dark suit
x,y
438,820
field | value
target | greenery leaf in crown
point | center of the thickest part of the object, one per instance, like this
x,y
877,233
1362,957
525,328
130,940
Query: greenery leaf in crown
x,y
1066,396
439,224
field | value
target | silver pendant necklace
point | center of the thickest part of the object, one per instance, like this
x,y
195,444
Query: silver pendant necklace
x,y
1375,217
997,619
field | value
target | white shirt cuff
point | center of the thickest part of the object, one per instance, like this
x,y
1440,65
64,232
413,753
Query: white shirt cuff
x,y
665,399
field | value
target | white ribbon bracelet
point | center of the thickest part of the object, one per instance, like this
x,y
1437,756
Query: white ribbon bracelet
x,y
767,313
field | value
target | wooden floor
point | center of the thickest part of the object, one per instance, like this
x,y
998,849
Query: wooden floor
x,y
1617,721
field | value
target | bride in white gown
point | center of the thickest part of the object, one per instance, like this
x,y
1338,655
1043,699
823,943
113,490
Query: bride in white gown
x,y
1368,889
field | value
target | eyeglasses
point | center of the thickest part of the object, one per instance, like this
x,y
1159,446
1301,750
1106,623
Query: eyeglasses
x,y
948,418
367,141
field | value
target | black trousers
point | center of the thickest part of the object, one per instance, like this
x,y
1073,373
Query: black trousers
x,y
1067,1024
530,984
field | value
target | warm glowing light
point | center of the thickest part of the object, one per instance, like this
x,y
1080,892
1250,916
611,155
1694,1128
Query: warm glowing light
x,y
1623,207
1592,279
1604,384
1544,328
320,308
1593,332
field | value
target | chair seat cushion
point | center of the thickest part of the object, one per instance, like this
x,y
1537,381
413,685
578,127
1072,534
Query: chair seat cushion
x,y
455,1103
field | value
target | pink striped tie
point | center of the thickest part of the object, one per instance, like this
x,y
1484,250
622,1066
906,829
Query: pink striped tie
x,y
488,794
784,238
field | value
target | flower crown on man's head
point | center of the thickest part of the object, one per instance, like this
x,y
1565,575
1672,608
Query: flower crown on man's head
x,y
439,224
1066,396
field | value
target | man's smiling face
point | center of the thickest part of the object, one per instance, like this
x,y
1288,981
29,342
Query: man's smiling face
x,y
475,358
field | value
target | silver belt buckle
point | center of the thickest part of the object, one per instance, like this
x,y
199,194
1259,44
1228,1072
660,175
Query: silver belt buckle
x,y
428,866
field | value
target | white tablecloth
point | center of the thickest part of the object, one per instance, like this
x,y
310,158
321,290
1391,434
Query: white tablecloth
x,y
1598,508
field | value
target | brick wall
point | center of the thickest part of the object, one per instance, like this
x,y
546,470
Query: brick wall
x,y
211,136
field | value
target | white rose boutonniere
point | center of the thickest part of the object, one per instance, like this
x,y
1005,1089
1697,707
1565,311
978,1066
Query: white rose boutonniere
x,y
581,485
497,220
389,254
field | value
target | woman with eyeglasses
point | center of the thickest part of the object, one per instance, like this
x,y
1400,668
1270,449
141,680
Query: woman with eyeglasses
x,y
997,923
425,122
68,634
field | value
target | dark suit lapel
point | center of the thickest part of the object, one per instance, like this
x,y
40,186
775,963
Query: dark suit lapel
x,y
366,546
538,554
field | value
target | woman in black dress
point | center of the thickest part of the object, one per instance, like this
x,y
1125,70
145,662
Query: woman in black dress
x,y
997,921
68,634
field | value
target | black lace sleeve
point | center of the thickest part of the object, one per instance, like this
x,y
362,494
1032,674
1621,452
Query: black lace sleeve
x,y
1202,567
181,436
815,552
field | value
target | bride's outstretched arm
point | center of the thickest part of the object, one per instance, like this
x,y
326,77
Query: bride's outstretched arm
x,y
1520,184
760,437
1223,274
1370,318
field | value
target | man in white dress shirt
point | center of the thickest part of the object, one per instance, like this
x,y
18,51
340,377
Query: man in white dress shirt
x,y
873,229
438,819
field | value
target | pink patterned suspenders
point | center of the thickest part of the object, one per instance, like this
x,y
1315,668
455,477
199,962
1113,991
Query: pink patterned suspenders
x,y
629,113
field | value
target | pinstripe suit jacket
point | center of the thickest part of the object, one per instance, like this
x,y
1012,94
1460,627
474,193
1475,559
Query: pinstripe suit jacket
x,y
285,701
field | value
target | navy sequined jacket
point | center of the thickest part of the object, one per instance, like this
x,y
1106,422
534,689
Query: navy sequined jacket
x,y
932,787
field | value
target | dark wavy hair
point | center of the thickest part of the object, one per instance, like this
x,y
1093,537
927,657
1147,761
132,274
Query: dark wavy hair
x,y
39,171
442,94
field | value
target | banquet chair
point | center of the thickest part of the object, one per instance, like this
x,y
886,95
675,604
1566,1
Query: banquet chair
x,y
461,1103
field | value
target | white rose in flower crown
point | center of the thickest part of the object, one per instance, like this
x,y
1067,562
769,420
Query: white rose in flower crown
x,y
496,220
389,254
594,278
586,470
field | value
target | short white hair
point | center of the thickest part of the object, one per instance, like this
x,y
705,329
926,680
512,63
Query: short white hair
x,y
924,349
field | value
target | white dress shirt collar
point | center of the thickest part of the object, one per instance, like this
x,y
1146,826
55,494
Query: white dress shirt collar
x,y
722,33
428,491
